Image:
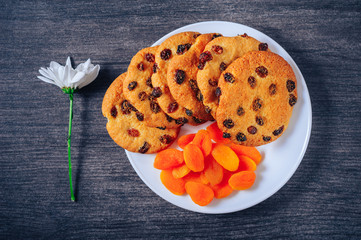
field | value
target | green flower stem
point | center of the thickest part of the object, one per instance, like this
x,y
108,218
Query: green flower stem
x,y
69,144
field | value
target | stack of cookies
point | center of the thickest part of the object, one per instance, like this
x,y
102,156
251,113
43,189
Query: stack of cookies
x,y
192,78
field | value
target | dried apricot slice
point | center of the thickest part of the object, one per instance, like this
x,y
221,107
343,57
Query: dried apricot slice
x,y
213,171
216,134
246,164
185,140
242,180
168,158
250,152
193,158
199,193
174,185
180,171
226,157
222,189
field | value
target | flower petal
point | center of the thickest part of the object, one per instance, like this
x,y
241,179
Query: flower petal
x,y
91,76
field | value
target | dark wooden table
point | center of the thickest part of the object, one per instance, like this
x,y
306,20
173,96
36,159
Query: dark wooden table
x,y
321,201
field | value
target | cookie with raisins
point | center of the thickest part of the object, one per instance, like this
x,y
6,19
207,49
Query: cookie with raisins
x,y
217,55
124,127
258,93
175,45
138,90
182,75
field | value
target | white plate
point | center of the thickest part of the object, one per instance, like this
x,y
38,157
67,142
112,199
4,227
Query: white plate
x,y
281,158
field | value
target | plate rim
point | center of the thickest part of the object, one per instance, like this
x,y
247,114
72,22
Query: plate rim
x,y
305,143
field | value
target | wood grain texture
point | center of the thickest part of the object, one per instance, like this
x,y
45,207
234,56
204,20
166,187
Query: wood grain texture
x,y
322,199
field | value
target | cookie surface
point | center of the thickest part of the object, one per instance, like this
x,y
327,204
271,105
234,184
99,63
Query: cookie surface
x,y
182,75
138,89
164,55
258,92
217,55
124,127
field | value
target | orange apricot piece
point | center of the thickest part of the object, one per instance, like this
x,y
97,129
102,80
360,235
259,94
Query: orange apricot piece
x,y
193,177
242,180
174,185
226,157
168,158
180,171
213,171
198,138
250,152
206,145
222,189
216,134
246,164
185,139
199,193
193,157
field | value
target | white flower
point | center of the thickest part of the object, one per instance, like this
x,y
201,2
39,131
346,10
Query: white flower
x,y
67,77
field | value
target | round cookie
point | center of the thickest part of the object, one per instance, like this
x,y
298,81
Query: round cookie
x,y
124,127
258,92
168,49
217,55
182,75
138,89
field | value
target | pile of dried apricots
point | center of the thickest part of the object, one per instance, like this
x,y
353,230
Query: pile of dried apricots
x,y
207,169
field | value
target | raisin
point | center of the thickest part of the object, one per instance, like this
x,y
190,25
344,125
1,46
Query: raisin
x,y
205,57
263,46
165,54
161,128
196,35
252,82
132,108
193,85
278,131
228,77
154,107
216,35
290,85
183,48
252,130
189,112
144,148
228,123
132,85
149,82
272,89
125,107
169,119
181,121
140,66
201,65
262,71
140,116
217,49
292,100
179,76
142,96
199,96
218,92
241,137
166,139
157,92
213,82
244,35
259,120
149,57
207,109
113,111
266,138
155,67
197,120
222,67
172,107
226,135
240,111
257,104
133,132
151,97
